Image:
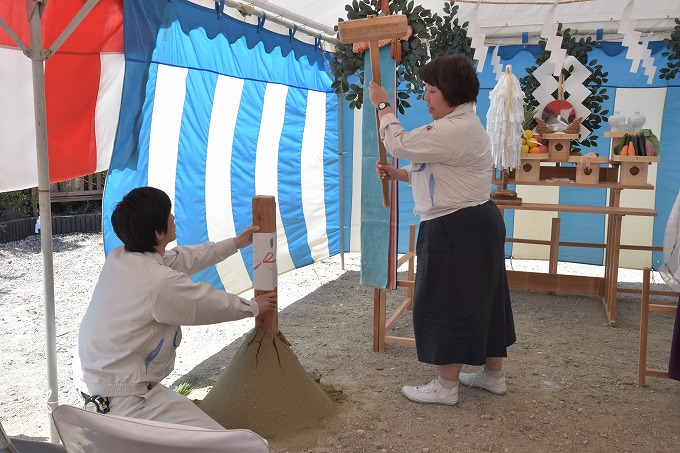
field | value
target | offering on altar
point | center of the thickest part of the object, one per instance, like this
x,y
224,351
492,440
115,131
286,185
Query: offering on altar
x,y
558,114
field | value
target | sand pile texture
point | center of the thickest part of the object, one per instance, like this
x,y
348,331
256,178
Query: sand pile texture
x,y
264,388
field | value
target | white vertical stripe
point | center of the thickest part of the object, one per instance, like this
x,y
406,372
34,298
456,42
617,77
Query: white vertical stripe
x,y
355,227
107,109
267,160
19,168
232,271
312,175
166,120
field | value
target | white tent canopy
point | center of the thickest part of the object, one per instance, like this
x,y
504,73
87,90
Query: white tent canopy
x,y
497,19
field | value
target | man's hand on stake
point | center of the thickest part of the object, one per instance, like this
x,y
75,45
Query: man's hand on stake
x,y
246,237
266,302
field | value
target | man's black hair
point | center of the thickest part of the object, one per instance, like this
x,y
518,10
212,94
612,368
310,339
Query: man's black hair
x,y
139,215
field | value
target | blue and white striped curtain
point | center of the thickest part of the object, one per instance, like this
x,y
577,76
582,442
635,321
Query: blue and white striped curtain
x,y
216,111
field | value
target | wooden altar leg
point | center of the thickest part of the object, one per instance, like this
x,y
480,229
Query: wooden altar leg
x,y
379,315
554,248
611,266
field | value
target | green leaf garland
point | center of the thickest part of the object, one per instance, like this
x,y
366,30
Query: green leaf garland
x,y
673,54
348,68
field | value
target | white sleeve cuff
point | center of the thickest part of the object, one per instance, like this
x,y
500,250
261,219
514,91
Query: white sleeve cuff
x,y
254,308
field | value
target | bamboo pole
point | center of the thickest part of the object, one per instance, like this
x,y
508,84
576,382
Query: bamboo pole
x,y
264,216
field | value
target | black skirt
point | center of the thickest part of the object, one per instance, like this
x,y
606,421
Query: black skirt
x,y
461,303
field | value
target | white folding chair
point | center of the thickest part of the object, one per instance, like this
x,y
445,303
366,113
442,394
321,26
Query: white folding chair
x,y
82,431
14,445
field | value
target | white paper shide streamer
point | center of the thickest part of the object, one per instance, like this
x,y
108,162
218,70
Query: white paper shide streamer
x,y
496,64
504,121
631,38
477,39
648,61
264,261
553,41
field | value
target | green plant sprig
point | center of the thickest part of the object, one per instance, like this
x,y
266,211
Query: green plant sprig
x,y
347,64
673,44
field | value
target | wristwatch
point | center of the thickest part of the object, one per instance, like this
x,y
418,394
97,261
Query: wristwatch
x,y
382,106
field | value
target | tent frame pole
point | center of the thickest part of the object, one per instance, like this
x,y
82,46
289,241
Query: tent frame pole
x,y
36,51
38,55
341,169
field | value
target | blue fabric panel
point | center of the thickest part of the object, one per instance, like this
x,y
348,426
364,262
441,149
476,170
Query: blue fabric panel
x,y
243,160
332,175
618,67
668,181
290,207
228,59
191,160
191,155
375,218
191,18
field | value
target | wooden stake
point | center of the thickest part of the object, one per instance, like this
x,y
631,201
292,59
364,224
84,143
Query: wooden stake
x,y
374,50
264,216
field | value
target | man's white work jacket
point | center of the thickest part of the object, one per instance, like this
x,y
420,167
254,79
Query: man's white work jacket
x,y
128,336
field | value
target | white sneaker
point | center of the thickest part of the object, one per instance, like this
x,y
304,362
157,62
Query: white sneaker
x,y
432,392
482,380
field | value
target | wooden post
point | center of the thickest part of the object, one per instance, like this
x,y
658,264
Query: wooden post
x,y
373,29
264,216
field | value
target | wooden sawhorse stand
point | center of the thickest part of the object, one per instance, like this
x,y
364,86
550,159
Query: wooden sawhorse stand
x,y
380,322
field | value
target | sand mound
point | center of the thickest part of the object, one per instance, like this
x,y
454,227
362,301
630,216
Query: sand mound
x,y
264,388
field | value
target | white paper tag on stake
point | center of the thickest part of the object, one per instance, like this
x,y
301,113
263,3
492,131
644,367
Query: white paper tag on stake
x,y
264,261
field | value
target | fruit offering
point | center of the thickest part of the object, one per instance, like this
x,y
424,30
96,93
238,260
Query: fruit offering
x,y
532,143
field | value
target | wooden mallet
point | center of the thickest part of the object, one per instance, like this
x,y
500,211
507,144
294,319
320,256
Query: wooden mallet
x,y
373,29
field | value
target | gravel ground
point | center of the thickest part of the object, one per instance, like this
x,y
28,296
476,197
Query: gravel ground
x,y
572,378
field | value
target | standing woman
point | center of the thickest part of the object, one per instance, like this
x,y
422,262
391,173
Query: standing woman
x,y
461,306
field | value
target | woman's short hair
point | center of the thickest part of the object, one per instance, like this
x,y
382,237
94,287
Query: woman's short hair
x,y
139,215
454,76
